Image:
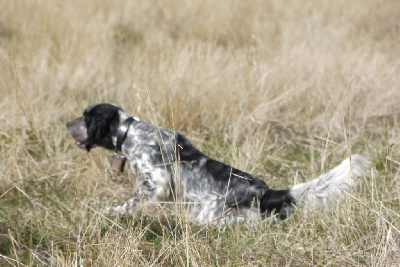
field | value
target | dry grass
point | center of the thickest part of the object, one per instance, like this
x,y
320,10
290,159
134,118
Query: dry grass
x,y
284,90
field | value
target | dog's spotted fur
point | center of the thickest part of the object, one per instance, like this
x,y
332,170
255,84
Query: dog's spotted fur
x,y
173,170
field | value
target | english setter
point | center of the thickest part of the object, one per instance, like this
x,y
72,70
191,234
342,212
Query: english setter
x,y
174,171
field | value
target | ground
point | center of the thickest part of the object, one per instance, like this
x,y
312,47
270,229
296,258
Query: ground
x,y
284,90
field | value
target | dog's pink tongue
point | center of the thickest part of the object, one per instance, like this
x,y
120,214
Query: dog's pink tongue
x,y
80,144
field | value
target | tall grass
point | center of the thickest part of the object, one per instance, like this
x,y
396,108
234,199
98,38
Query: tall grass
x,y
284,90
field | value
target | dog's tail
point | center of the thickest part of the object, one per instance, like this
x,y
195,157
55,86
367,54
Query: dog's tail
x,y
329,187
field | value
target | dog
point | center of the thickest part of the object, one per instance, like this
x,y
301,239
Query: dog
x,y
173,171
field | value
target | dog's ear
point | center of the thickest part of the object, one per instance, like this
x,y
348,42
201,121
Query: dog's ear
x,y
98,121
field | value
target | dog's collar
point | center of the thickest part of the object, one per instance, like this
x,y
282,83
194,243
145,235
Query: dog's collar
x,y
122,132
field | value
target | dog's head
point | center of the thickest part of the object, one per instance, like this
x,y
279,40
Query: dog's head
x,y
96,127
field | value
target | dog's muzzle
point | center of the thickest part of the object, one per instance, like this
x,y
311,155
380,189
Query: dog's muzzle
x,y
78,131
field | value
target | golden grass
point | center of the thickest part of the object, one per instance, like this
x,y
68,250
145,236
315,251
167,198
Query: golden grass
x,y
284,90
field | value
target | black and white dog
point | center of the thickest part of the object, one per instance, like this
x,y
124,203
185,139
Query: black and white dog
x,y
173,171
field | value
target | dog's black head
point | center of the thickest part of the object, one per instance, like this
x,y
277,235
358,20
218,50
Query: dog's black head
x,y
96,127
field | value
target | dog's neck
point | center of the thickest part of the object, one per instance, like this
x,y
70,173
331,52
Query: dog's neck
x,y
116,124
122,132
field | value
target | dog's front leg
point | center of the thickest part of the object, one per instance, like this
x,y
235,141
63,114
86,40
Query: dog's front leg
x,y
128,206
144,197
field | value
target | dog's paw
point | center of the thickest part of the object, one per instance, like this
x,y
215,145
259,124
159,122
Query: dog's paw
x,y
118,210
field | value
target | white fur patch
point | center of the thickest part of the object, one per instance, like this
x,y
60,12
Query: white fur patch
x,y
330,186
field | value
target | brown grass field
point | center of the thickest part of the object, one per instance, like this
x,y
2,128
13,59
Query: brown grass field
x,y
284,90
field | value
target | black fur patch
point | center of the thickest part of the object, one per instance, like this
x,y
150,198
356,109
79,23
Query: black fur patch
x,y
101,122
276,201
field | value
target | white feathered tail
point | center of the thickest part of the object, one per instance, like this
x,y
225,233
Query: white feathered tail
x,y
330,186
